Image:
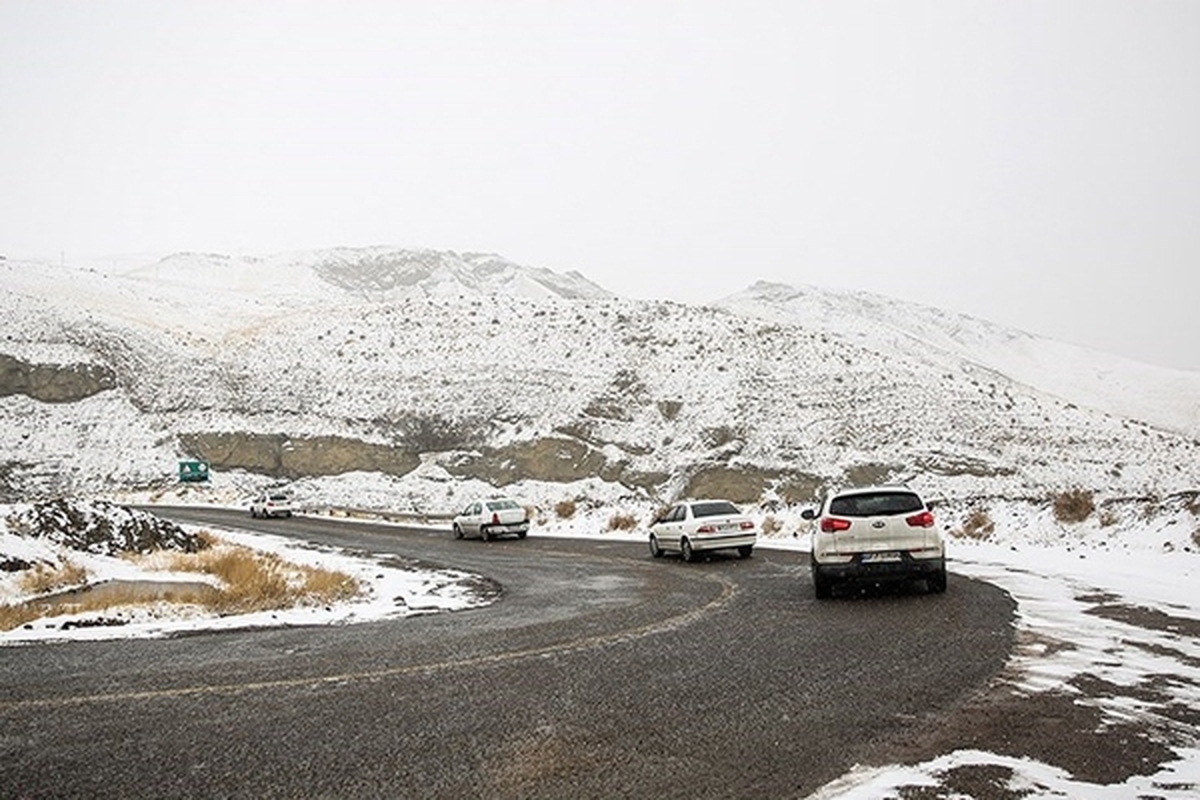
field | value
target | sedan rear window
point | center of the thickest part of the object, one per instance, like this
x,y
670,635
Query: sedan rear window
x,y
500,505
714,508
876,504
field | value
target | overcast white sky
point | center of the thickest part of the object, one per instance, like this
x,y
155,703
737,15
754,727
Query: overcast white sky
x,y
1033,163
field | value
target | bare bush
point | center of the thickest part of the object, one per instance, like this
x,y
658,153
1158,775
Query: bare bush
x,y
978,525
564,509
770,526
1074,505
622,522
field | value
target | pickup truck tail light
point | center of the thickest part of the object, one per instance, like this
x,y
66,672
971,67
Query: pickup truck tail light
x,y
495,519
833,524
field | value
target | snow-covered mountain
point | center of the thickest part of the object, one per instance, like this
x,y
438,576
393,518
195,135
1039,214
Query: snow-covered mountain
x,y
435,371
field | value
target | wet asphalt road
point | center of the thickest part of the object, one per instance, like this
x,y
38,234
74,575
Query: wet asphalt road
x,y
599,672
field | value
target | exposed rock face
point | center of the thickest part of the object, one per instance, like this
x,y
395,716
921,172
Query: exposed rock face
x,y
283,456
554,460
53,383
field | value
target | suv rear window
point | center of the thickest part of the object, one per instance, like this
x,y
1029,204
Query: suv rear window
x,y
875,504
713,509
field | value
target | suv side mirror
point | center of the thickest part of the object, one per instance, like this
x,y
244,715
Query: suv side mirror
x,y
808,514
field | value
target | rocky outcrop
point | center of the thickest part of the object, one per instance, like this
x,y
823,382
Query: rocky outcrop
x,y
283,456
53,383
97,526
747,484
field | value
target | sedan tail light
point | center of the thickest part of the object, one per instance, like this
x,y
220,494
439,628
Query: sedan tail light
x,y
747,525
833,524
922,520
706,529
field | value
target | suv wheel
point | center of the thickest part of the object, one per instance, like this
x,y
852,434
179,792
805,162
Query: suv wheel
x,y
822,586
936,583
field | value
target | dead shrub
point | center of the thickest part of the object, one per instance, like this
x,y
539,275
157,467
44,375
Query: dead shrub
x,y
622,522
978,525
565,509
770,526
1074,505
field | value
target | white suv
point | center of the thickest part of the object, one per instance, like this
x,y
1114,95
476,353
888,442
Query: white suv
x,y
881,533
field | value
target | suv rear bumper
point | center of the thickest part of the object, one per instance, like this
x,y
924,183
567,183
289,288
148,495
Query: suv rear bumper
x,y
907,568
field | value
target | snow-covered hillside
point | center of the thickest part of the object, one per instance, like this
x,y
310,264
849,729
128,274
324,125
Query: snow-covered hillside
x,y
443,373
1158,396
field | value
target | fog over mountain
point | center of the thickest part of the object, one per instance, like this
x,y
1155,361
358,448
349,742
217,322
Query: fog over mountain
x,y
434,369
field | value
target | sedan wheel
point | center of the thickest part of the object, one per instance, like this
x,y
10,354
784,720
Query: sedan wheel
x,y
457,532
655,550
689,555
745,550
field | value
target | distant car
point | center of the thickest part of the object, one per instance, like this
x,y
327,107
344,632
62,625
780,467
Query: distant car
x,y
489,518
692,527
271,504
874,534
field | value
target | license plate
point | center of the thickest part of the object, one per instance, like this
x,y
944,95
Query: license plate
x,y
875,558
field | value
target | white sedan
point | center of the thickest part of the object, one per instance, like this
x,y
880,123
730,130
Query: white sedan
x,y
488,518
698,525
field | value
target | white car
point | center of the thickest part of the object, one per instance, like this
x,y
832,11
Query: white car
x,y
271,504
874,534
694,526
488,518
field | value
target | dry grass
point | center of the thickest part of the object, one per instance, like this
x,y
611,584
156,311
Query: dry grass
x,y
564,509
43,579
622,522
1074,505
256,581
250,581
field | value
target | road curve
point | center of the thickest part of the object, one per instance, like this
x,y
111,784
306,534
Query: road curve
x,y
599,672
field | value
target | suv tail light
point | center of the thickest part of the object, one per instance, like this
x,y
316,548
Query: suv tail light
x,y
833,524
922,520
